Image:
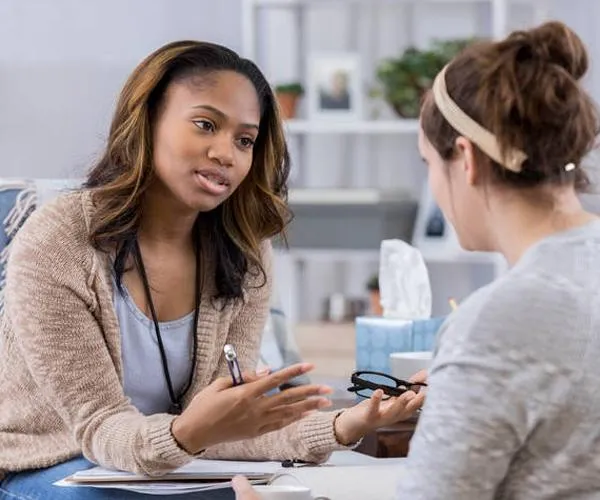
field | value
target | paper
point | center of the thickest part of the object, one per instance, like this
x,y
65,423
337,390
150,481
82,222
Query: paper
x,y
198,475
157,487
196,469
99,477
403,282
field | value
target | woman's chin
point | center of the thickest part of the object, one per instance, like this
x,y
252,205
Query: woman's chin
x,y
202,202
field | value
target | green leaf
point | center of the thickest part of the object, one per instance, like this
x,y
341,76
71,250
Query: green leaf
x,y
406,78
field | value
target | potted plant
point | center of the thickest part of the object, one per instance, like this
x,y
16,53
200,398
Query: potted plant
x,y
404,80
288,95
374,296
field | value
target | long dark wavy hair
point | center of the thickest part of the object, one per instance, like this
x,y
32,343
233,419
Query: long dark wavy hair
x,y
232,233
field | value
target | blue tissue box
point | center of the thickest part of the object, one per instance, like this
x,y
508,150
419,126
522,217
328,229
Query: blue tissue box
x,y
377,338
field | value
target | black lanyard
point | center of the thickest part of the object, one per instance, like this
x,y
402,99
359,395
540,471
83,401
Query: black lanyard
x,y
176,406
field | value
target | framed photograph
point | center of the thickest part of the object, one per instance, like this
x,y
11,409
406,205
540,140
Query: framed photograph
x,y
334,89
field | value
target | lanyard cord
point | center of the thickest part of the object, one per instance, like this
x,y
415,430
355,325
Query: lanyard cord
x,y
176,406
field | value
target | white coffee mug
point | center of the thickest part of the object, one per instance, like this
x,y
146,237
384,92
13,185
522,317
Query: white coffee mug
x,y
405,364
283,492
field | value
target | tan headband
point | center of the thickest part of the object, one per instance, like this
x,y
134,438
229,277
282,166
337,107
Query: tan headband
x,y
469,128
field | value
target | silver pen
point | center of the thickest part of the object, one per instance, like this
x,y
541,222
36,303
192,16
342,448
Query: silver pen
x,y
232,363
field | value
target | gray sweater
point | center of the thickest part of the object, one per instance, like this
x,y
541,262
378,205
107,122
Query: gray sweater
x,y
513,407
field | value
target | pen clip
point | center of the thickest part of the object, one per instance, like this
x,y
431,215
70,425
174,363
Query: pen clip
x,y
233,365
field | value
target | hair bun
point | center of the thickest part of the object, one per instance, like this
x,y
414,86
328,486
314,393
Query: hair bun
x,y
555,43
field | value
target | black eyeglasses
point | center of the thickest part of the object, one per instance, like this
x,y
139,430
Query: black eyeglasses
x,y
365,383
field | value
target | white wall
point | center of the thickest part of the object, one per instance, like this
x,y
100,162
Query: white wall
x,y
62,63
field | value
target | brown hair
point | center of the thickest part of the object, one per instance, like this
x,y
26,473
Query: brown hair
x,y
232,233
525,90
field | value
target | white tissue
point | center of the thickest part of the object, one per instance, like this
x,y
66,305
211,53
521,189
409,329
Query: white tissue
x,y
403,282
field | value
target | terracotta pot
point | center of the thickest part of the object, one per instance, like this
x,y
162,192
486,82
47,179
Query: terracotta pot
x,y
375,303
288,103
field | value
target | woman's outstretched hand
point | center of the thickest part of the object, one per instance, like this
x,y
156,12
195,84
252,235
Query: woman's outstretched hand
x,y
222,412
373,413
367,416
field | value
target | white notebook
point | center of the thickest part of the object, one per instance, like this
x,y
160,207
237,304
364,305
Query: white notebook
x,y
198,475
199,470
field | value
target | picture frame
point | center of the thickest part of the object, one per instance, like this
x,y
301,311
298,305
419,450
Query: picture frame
x,y
334,88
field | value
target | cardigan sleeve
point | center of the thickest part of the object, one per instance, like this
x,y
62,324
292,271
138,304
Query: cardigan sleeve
x,y
311,439
53,314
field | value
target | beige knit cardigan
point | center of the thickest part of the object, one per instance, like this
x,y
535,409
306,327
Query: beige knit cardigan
x,y
61,391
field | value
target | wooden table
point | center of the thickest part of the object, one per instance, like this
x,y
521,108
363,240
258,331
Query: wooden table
x,y
389,442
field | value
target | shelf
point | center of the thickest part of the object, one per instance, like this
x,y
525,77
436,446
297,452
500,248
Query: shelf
x,y
294,3
458,256
349,255
329,255
349,196
399,126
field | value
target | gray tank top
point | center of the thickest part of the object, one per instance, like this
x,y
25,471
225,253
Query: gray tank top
x,y
143,378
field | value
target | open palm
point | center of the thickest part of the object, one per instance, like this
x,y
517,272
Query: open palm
x,y
373,413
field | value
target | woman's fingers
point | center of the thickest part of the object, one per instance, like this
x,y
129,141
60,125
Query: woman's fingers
x,y
419,378
296,394
403,406
375,404
269,382
415,403
299,408
222,383
250,377
282,416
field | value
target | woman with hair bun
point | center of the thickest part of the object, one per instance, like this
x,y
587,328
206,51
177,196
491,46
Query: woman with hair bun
x,y
513,406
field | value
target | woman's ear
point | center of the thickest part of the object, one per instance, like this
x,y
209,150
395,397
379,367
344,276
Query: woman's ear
x,y
467,160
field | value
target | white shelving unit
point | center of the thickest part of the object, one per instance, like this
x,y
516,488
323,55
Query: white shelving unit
x,y
365,127
365,196
499,13
300,130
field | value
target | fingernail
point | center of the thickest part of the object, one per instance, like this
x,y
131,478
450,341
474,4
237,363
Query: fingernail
x,y
325,390
324,403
